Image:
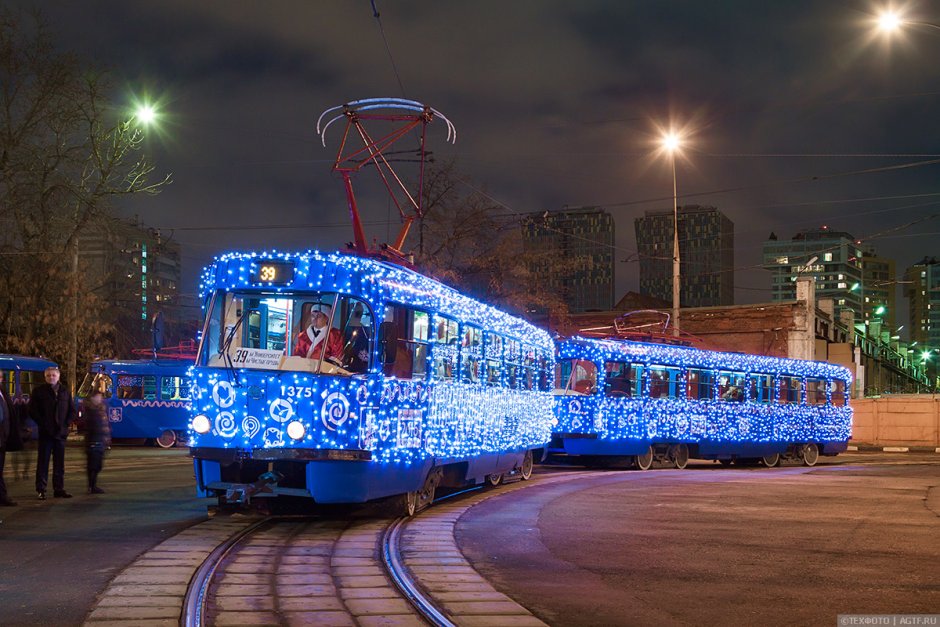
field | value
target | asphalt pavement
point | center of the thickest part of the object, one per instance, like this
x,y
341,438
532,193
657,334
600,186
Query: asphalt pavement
x,y
57,555
859,533
710,545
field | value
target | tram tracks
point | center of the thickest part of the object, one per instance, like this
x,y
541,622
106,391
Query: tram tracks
x,y
285,570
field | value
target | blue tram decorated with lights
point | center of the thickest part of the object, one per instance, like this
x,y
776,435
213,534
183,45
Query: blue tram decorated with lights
x,y
345,379
620,400
145,398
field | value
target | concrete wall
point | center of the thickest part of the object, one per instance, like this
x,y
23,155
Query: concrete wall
x,y
897,420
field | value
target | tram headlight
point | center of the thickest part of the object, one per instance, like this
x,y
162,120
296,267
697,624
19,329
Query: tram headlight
x,y
296,430
201,424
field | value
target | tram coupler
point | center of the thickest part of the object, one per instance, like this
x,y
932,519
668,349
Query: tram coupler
x,y
241,493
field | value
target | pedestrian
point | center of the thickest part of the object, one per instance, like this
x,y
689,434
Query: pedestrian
x,y
6,429
29,432
50,405
97,438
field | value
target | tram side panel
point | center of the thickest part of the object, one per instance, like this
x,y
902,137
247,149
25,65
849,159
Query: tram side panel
x,y
651,411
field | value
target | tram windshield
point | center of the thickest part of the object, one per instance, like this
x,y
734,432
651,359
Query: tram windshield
x,y
319,332
95,381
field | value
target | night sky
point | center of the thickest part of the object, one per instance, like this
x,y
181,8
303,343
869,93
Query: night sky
x,y
799,114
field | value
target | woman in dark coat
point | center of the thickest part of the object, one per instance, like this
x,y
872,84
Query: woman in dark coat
x,y
97,438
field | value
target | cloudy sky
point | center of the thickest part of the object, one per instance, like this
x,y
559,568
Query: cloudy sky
x,y
799,115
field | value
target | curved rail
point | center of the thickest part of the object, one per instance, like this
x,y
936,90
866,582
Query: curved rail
x,y
194,603
402,580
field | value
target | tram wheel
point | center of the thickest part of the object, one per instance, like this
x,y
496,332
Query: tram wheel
x,y
725,461
771,460
167,439
525,473
494,479
426,493
680,455
810,454
644,461
404,504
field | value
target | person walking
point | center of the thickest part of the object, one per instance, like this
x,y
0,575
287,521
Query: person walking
x,y
97,438
7,427
51,407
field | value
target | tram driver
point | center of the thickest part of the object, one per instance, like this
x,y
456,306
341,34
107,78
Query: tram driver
x,y
311,341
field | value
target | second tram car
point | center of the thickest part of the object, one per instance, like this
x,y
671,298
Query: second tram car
x,y
620,399
346,379
145,398
21,374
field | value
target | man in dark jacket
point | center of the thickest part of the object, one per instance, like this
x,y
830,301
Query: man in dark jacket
x,y
51,407
6,418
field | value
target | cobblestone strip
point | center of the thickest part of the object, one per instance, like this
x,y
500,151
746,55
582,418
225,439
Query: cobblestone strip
x,y
368,594
150,591
280,575
430,552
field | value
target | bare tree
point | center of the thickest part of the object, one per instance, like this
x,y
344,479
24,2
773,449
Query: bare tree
x,y
65,155
472,243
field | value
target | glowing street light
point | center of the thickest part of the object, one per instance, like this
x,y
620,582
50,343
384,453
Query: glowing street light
x,y
146,114
890,22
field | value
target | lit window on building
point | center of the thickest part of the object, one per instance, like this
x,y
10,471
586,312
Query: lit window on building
x,y
827,257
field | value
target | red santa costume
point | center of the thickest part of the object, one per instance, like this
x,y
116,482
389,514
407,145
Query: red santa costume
x,y
310,343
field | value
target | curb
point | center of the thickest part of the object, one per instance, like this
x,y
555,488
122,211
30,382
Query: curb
x,y
867,448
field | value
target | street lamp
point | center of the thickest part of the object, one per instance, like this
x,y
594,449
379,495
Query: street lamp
x,y
145,114
890,22
672,143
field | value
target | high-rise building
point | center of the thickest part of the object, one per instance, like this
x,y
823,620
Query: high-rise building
x,y
578,259
834,258
136,272
879,288
922,288
706,256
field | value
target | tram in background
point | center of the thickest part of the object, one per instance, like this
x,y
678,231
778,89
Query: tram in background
x,y
411,385
22,374
145,398
622,400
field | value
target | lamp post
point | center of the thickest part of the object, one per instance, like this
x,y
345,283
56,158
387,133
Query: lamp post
x,y
671,143
143,116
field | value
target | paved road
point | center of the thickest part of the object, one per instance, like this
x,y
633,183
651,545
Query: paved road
x,y
710,545
707,544
57,555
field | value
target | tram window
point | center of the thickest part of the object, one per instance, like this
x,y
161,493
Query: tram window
x,y
445,347
790,390
29,380
137,387
174,388
512,359
471,354
762,388
815,391
730,385
622,379
9,385
664,382
530,369
494,359
576,376
545,373
405,340
700,384
837,389
358,331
